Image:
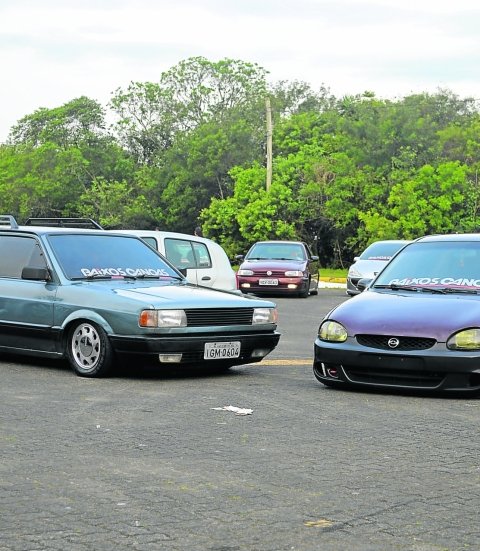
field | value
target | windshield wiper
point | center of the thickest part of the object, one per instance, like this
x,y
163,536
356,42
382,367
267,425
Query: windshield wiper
x,y
424,289
90,277
413,288
453,290
395,287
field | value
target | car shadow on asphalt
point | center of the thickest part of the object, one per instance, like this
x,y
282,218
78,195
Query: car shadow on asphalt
x,y
145,371
411,393
140,371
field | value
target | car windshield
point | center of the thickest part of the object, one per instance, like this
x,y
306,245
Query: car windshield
x,y
108,256
276,251
381,251
441,264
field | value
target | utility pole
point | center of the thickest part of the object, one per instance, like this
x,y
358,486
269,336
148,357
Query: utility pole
x,y
269,142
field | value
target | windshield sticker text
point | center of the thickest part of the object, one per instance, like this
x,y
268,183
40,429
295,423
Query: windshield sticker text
x,y
119,272
458,282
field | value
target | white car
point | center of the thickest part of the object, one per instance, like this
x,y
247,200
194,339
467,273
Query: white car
x,y
373,259
206,262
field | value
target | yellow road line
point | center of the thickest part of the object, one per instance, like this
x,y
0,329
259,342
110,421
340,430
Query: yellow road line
x,y
292,361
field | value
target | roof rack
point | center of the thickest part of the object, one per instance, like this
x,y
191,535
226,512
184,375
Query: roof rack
x,y
8,220
85,223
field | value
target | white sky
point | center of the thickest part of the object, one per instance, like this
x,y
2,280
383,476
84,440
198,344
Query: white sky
x,y
52,51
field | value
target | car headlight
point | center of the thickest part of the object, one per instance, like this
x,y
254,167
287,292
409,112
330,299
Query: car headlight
x,y
469,339
245,272
264,315
294,273
353,272
162,318
332,331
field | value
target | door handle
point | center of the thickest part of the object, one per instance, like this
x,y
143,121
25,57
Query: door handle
x,y
206,278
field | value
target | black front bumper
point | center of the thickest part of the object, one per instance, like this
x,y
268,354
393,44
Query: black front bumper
x,y
192,347
436,369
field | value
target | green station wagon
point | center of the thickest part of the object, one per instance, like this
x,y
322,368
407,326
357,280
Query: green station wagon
x,y
98,298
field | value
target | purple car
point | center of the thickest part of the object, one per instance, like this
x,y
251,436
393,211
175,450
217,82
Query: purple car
x,y
416,326
279,268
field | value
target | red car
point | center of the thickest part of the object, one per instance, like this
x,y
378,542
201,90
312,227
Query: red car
x,y
280,268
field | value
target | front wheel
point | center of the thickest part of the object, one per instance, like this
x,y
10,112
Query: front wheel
x,y
305,292
89,351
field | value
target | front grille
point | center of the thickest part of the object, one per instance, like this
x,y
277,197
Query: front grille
x,y
406,343
274,273
394,377
208,317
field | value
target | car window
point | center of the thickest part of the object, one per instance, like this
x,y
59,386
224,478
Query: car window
x,y
276,251
17,252
435,263
381,251
150,241
202,256
83,256
184,253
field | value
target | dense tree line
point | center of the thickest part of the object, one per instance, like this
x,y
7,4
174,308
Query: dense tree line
x,y
190,149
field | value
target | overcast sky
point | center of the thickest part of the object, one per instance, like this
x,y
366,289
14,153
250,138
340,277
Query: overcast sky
x,y
52,51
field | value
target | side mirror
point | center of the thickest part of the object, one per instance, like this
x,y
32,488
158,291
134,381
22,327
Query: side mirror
x,y
239,256
36,274
183,271
314,258
364,283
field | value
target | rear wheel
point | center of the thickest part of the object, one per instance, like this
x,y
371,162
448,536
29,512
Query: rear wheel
x,y
88,349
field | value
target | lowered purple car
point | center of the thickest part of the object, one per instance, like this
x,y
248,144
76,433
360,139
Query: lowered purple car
x,y
279,268
416,326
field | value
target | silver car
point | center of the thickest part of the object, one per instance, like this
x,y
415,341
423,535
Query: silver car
x,y
373,259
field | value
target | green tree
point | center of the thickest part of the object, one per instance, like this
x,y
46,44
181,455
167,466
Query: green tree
x,y
194,92
429,200
81,120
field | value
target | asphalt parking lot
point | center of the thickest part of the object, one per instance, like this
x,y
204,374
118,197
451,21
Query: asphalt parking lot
x,y
142,461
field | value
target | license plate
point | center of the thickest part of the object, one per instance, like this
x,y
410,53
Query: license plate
x,y
221,350
268,281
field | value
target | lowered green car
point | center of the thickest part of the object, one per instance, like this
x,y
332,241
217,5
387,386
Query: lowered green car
x,y
98,297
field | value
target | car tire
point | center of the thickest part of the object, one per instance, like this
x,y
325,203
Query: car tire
x,y
305,292
88,350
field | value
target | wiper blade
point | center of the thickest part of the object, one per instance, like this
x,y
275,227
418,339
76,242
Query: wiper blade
x,y
91,277
453,290
147,276
425,289
395,287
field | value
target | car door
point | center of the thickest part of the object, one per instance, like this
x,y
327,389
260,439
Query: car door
x,y
26,307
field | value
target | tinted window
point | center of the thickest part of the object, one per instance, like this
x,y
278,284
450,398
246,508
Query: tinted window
x,y
184,253
87,255
276,251
441,263
381,251
151,241
16,252
202,256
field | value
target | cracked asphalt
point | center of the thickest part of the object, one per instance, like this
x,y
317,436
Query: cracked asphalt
x,y
141,461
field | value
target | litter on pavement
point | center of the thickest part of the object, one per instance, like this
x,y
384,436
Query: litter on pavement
x,y
237,411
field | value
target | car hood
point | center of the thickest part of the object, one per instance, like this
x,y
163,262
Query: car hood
x,y
274,265
408,314
183,296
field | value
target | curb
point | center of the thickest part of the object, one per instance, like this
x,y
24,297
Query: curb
x,y
332,283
